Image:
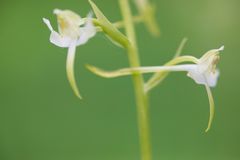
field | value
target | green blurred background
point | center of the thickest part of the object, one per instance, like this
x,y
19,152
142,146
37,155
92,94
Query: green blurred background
x,y
41,119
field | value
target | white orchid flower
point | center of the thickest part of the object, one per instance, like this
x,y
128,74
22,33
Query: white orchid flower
x,y
203,72
73,32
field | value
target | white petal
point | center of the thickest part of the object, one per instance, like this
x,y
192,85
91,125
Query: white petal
x,y
87,32
197,76
59,40
70,15
47,22
56,38
212,78
221,48
204,78
57,11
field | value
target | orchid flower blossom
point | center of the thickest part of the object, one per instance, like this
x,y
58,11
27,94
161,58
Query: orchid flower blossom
x,y
203,72
73,32
148,10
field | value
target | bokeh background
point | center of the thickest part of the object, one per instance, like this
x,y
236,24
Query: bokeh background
x,y
41,119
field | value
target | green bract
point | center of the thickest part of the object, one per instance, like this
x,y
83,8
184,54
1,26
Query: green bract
x,y
107,27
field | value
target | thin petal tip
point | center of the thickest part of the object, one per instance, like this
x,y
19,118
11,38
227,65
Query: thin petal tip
x,y
221,48
90,14
90,1
206,130
90,68
45,20
57,11
79,96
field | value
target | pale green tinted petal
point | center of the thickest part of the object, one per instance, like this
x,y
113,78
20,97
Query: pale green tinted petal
x,y
74,17
151,21
70,69
180,47
109,74
147,11
87,32
208,56
68,23
211,105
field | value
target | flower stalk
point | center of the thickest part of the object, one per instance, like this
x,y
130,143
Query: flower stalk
x,y
141,96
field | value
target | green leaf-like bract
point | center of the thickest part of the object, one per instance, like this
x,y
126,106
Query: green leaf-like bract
x,y
108,27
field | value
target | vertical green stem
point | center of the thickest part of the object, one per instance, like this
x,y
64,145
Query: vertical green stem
x,y
141,97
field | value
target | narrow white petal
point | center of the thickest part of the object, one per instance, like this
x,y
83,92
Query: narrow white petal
x,y
221,48
57,11
70,69
197,76
87,32
47,22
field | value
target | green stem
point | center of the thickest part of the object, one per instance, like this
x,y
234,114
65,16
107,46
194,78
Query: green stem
x,y
141,97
